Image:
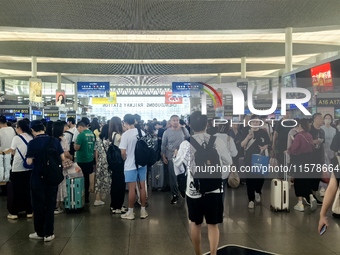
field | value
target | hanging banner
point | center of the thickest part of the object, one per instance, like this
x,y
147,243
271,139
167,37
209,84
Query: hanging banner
x,y
322,75
60,98
112,99
170,99
35,90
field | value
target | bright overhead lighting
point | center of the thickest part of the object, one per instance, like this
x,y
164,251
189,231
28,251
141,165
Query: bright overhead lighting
x,y
329,37
264,60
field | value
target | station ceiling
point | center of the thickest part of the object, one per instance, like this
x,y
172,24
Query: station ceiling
x,y
197,39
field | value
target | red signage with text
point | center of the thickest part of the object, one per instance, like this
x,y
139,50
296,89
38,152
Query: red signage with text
x,y
322,75
169,99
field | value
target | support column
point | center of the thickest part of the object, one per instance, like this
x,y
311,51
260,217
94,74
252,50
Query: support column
x,y
204,103
243,68
219,78
289,49
75,106
34,67
59,81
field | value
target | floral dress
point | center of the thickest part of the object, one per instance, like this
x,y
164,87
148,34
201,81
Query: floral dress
x,y
62,192
103,174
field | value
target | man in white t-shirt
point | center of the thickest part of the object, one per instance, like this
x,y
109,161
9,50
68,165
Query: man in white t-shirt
x,y
6,136
209,205
132,174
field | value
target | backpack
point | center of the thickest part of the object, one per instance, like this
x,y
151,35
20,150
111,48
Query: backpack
x,y
145,155
71,151
206,156
29,167
51,165
113,155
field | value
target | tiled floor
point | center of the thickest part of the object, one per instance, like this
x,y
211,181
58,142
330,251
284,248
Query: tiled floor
x,y
166,230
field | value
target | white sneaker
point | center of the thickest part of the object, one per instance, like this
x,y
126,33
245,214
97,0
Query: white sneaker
x,y
12,217
117,211
58,211
251,205
299,207
322,192
313,204
143,214
35,236
124,209
49,238
257,197
128,216
29,216
98,203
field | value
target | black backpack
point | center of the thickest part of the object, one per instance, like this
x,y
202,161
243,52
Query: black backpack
x,y
113,155
71,151
51,165
145,155
206,156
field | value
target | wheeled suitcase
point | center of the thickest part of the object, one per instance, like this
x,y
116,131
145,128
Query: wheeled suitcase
x,y
157,176
75,199
280,192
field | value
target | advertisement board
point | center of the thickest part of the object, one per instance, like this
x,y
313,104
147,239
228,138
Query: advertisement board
x,y
60,98
322,75
35,90
170,99
112,99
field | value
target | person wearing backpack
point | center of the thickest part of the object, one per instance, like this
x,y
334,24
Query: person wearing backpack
x,y
118,179
203,195
20,176
45,154
133,173
171,140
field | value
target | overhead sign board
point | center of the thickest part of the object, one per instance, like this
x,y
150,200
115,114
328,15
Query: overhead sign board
x,y
92,89
187,89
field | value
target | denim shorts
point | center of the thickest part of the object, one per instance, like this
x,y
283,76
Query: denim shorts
x,y
135,175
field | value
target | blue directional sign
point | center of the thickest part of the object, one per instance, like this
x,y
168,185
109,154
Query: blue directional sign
x,y
187,89
92,89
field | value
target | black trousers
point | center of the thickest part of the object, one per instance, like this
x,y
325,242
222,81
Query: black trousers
x,y
117,187
254,185
43,201
21,190
87,169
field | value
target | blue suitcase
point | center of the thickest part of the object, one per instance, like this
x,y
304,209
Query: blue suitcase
x,y
75,199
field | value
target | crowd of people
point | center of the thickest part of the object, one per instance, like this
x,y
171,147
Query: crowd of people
x,y
178,145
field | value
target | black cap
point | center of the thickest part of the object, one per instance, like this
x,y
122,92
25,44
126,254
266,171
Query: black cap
x,y
3,119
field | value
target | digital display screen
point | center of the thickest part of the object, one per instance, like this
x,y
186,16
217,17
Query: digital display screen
x,y
92,89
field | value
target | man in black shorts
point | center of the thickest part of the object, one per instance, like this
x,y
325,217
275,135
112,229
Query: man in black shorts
x,y
208,205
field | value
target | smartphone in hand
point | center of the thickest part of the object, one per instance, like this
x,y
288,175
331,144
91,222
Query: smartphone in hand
x,y
323,230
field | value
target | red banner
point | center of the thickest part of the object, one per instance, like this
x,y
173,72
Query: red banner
x,y
322,75
169,99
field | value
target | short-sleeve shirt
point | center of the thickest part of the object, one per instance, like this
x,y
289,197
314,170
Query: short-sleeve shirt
x,y
86,140
35,150
19,145
128,142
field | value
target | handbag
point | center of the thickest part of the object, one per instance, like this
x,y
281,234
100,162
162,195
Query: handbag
x,y
234,180
259,164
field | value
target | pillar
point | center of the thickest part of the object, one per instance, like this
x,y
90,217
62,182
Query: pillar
x,y
219,78
289,49
204,103
243,68
59,81
75,106
34,67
